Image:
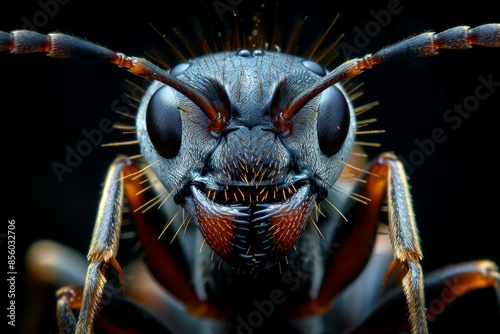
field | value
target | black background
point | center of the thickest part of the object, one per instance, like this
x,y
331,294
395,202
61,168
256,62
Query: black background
x,y
46,103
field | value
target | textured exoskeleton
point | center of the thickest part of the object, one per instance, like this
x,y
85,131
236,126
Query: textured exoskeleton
x,y
254,203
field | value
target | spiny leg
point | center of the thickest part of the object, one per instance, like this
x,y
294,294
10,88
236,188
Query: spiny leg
x,y
120,183
385,179
104,245
404,237
102,252
53,265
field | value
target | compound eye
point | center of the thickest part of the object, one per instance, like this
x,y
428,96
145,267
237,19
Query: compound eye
x,y
333,120
163,122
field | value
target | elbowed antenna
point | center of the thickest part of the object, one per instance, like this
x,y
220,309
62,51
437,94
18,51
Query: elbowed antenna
x,y
423,45
65,46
